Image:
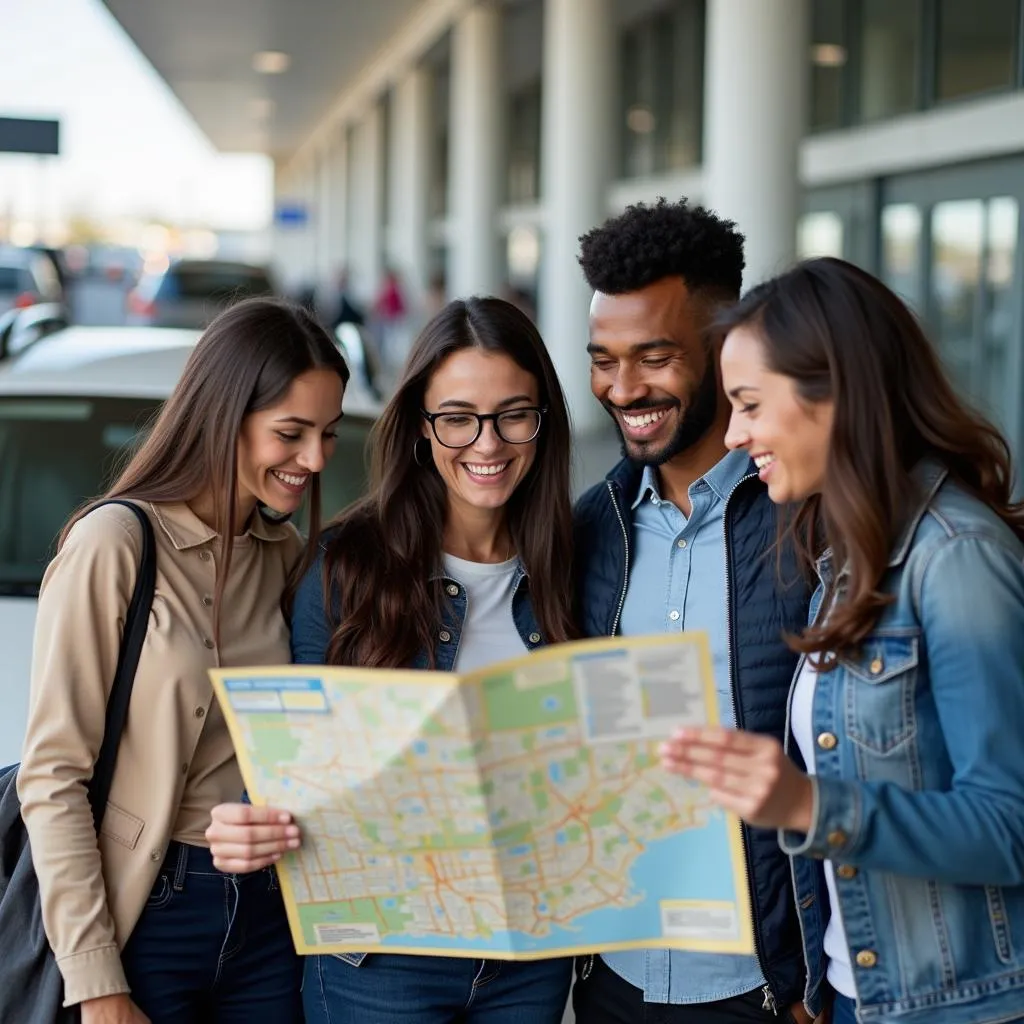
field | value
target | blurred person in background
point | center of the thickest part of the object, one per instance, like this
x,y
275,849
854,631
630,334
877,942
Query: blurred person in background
x,y
144,928
459,557
901,799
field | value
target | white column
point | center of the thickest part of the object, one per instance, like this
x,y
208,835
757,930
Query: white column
x,y
365,209
476,136
577,133
410,182
754,102
325,257
339,201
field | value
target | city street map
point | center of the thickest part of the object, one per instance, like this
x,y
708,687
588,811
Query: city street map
x,y
514,812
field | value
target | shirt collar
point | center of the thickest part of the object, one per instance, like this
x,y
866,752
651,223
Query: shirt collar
x,y
722,478
186,530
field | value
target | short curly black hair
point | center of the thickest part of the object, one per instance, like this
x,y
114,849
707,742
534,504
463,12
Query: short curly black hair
x,y
647,243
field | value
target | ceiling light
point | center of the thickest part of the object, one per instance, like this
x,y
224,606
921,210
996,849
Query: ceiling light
x,y
828,55
270,62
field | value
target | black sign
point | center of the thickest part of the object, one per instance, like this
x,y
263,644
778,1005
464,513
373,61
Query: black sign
x,y
29,135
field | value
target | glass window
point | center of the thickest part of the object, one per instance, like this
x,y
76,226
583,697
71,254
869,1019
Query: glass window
x,y
438,199
54,454
901,251
958,229
1003,219
662,66
890,57
820,234
829,55
524,118
976,46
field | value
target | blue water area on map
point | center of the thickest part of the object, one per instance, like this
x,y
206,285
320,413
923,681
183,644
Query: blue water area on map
x,y
692,864
555,772
420,747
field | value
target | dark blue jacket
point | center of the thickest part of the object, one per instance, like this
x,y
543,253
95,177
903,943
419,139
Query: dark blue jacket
x,y
761,609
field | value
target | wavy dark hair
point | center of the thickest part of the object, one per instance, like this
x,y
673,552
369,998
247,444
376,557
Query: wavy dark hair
x,y
383,554
842,335
245,361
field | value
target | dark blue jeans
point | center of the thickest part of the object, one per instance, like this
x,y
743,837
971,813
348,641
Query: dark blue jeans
x,y
844,1011
212,948
396,989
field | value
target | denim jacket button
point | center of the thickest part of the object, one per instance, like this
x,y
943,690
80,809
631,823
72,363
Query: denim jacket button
x,y
453,590
535,638
876,666
867,958
445,636
846,872
837,837
827,741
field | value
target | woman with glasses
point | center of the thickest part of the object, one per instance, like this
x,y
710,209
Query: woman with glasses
x,y
458,557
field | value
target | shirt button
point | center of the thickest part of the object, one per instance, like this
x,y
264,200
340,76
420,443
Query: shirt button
x,y
846,872
876,666
827,741
184,768
535,638
867,958
673,615
445,636
204,556
199,712
207,600
156,856
453,591
207,643
680,543
837,837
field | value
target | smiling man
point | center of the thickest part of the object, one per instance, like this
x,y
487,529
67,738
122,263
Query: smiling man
x,y
677,538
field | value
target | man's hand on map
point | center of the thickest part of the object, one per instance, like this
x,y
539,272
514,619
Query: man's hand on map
x,y
746,773
244,838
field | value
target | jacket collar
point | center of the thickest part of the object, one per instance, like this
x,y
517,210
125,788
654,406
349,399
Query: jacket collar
x,y
928,474
185,530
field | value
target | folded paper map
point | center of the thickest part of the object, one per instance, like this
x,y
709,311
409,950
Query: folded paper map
x,y
514,812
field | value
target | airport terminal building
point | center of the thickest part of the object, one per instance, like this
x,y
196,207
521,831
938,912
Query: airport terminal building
x,y
468,144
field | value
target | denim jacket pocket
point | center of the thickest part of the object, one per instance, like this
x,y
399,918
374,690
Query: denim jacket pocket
x,y
880,682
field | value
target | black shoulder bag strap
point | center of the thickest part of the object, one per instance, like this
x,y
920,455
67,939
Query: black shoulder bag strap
x,y
135,625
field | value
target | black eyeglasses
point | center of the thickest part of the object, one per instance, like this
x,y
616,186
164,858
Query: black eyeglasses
x,y
461,429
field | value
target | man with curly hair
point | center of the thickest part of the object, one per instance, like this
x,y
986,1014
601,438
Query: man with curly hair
x,y
676,538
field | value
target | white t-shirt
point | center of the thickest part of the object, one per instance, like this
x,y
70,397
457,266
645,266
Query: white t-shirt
x,y
489,633
840,973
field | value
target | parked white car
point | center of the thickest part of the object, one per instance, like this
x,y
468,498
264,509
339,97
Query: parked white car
x,y
70,406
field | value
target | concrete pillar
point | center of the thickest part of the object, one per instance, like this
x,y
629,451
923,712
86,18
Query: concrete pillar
x,y
410,183
754,101
326,199
579,59
366,206
339,202
476,148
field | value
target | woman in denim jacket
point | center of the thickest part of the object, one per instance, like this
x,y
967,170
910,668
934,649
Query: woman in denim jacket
x,y
459,557
902,796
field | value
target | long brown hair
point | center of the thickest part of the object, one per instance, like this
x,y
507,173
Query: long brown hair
x,y
381,556
842,335
245,361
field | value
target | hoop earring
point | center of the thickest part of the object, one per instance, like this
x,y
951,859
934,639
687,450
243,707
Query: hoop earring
x,y
422,462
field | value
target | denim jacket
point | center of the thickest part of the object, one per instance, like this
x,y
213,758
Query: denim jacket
x,y
919,791
312,628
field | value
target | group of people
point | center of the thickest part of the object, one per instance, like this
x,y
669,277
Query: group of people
x,y
799,480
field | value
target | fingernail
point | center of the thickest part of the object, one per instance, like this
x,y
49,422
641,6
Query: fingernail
x,y
275,856
292,831
293,844
284,819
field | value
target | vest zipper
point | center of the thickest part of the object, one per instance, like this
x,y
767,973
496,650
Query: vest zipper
x,y
625,542
769,996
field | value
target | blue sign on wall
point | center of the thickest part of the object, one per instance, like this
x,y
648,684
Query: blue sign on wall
x,y
29,135
291,214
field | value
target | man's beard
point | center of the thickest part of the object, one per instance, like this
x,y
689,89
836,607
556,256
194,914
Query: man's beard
x,y
697,420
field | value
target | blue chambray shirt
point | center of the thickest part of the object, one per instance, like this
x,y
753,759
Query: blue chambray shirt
x,y
683,561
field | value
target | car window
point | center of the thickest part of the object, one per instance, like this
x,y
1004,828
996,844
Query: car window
x,y
57,452
12,279
218,283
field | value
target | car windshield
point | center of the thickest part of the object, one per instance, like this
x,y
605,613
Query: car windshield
x,y
57,452
11,279
214,282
